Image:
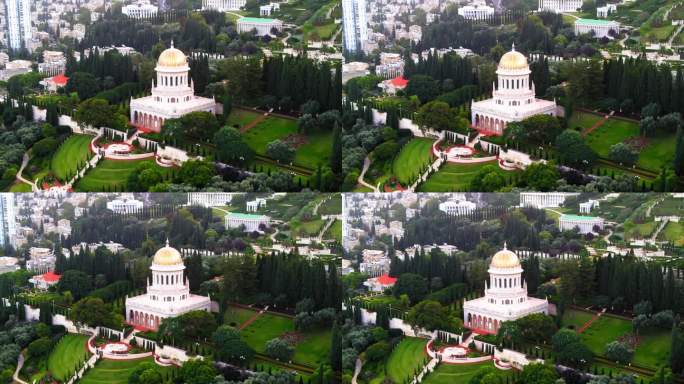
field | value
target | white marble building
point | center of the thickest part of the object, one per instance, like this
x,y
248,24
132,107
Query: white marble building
x,y
223,5
600,28
514,97
543,200
250,222
210,199
505,297
140,9
585,224
173,94
262,26
560,6
457,208
478,10
168,293
125,205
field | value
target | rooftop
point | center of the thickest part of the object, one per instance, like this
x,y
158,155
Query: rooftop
x,y
257,20
579,218
246,216
596,22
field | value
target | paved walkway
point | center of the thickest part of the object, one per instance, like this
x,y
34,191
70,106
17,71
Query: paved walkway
x,y
252,319
252,123
357,370
591,321
366,165
597,125
20,364
24,163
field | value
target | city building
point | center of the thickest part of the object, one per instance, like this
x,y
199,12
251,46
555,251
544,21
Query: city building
x,y
18,24
512,100
505,297
125,205
8,264
173,94
251,223
392,86
354,24
223,5
600,28
605,11
254,205
52,84
54,62
560,6
353,70
41,260
478,10
16,67
45,281
168,293
8,220
140,9
262,26
268,9
375,263
587,206
210,199
543,200
585,224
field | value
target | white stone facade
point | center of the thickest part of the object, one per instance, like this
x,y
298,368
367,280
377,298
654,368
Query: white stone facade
x,y
210,199
457,208
505,297
251,223
168,293
18,24
140,10
223,5
513,99
600,28
173,94
543,200
125,205
585,224
560,6
262,26
479,10
355,24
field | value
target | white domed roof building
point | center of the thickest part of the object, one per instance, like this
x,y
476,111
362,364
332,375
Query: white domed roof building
x,y
513,98
173,94
168,293
505,296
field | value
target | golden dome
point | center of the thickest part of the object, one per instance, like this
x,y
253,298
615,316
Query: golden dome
x,y
172,57
513,60
167,256
505,259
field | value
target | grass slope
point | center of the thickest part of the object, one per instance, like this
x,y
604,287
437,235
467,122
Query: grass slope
x,y
116,371
603,331
459,374
264,328
74,150
408,355
455,177
69,352
111,174
412,157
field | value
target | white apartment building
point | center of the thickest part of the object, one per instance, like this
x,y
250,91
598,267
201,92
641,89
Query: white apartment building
x,y
18,23
355,25
8,220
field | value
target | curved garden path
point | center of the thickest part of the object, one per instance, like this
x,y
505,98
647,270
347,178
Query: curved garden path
x,y
253,318
20,364
24,163
366,165
357,370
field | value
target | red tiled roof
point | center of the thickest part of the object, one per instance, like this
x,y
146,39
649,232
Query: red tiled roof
x,y
50,277
399,82
387,280
60,79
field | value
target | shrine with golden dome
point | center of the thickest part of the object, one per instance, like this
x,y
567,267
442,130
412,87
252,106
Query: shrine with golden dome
x,y
505,296
168,293
173,94
513,97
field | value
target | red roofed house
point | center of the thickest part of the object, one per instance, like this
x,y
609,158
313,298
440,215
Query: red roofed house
x,y
51,84
391,86
45,281
380,283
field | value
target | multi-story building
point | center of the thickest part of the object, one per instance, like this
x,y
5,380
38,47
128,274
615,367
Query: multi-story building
x,y
544,199
600,28
210,199
125,205
18,22
355,25
53,63
41,260
8,220
585,224
560,6
478,10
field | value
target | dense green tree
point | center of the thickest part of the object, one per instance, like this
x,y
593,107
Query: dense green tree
x,y
431,315
411,284
197,371
573,151
94,312
84,84
76,282
231,147
230,347
538,374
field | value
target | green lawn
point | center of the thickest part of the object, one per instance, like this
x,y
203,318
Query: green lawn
x,y
314,348
603,331
19,187
575,319
659,152
68,353
410,160
116,371
459,374
265,328
673,232
654,348
73,151
110,174
611,132
240,117
335,231
306,228
235,316
639,231
583,120
455,177
408,356
315,151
